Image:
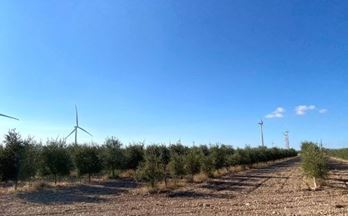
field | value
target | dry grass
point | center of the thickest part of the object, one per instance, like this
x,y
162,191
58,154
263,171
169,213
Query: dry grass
x,y
34,186
199,178
173,184
220,172
25,187
127,174
160,187
235,169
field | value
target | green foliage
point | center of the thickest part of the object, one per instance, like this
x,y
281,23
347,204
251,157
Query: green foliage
x,y
113,155
193,161
314,160
219,155
235,159
178,149
29,163
55,160
87,160
176,163
134,155
339,153
21,159
208,165
11,156
18,159
152,169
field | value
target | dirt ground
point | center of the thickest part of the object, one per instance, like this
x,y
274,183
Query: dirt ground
x,y
275,190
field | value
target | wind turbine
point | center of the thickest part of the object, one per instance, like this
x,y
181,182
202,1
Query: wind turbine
x,y
76,127
286,137
6,116
261,127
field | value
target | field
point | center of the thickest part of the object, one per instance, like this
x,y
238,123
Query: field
x,y
278,189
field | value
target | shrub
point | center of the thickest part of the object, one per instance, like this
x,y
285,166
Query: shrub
x,y
164,155
113,155
151,170
30,159
219,155
87,161
14,158
339,153
134,155
55,160
314,161
176,166
208,166
193,161
235,159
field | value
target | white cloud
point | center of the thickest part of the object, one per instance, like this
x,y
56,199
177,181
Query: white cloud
x,y
278,113
322,111
303,109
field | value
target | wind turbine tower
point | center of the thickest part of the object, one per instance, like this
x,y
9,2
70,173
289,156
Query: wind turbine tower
x,y
261,127
76,127
286,137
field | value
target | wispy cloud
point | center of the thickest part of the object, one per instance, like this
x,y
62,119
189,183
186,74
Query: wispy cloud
x,y
277,113
303,109
322,111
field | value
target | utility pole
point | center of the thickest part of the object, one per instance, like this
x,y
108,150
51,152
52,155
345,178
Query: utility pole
x,y
261,127
286,137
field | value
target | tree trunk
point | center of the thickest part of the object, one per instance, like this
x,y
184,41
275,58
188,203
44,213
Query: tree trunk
x,y
315,183
89,177
165,177
55,179
113,173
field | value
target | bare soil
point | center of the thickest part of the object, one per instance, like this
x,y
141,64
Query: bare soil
x,y
275,190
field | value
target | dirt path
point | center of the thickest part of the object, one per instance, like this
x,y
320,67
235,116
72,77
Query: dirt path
x,y
278,190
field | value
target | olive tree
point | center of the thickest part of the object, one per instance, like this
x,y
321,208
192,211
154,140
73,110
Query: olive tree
x,y
11,157
134,156
55,160
314,162
113,155
193,161
87,160
151,170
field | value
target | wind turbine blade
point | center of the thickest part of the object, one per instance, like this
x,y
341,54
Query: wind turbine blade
x,y
85,131
77,116
9,117
70,133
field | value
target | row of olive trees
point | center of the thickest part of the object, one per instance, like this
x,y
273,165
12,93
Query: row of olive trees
x,y
314,162
25,159
339,153
176,161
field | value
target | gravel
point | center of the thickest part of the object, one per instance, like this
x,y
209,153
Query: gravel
x,y
275,190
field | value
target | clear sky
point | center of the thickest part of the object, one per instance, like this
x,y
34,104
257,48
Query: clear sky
x,y
159,70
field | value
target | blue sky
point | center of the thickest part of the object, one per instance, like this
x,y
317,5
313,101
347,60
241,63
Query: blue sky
x,y
159,71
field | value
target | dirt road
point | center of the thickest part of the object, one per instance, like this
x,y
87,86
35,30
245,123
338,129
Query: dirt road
x,y
276,190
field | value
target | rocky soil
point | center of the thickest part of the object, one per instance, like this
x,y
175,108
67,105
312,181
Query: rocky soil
x,y
275,190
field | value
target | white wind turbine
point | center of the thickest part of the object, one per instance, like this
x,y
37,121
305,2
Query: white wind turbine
x,y
261,127
6,116
77,127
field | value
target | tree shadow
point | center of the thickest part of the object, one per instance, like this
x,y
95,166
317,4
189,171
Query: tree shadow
x,y
249,180
80,193
338,177
196,195
244,182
